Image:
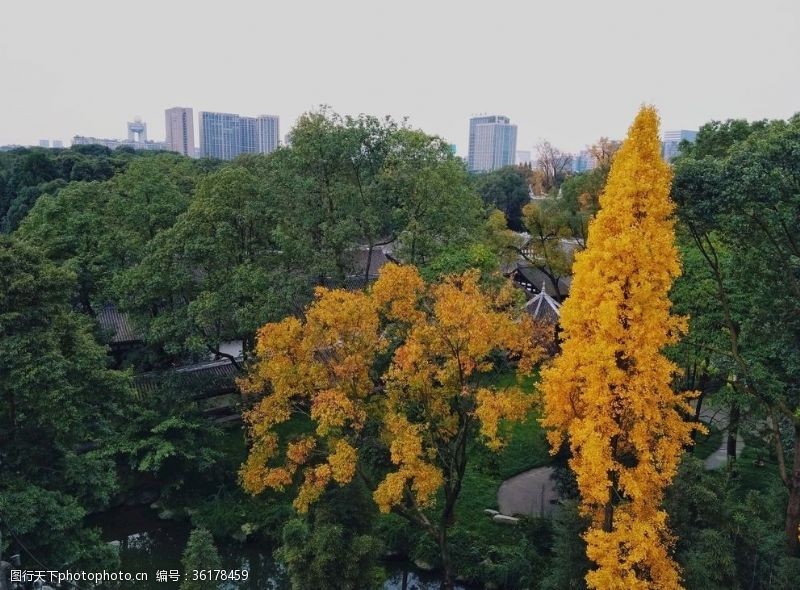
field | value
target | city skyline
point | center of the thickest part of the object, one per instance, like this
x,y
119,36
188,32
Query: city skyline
x,y
743,71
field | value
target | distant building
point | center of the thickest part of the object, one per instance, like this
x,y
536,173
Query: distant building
x,y
671,140
492,143
57,143
226,135
137,139
220,135
248,135
113,144
180,130
583,161
523,157
45,143
137,131
268,132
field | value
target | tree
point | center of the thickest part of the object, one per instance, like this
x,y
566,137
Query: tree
x,y
609,390
200,556
396,370
505,189
60,408
554,165
546,249
332,548
603,152
738,198
218,273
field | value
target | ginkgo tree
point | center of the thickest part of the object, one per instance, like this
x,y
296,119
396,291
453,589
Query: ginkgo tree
x,y
428,403
609,393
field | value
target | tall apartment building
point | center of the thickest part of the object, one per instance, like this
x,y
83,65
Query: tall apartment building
x,y
220,135
248,134
180,130
226,135
268,133
492,143
672,139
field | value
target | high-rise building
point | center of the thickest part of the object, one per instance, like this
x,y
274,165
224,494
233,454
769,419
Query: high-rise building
x,y
268,133
672,139
226,135
492,143
220,135
248,132
45,143
180,130
57,143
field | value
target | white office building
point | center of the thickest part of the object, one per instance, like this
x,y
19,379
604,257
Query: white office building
x,y
492,143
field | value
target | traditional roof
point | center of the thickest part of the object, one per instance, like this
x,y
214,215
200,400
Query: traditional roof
x,y
117,324
530,278
543,307
209,378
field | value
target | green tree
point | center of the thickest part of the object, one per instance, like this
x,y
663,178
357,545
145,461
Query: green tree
x,y
739,202
505,189
200,555
60,408
333,547
218,273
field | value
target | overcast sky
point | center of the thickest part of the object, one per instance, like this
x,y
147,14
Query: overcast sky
x,y
567,71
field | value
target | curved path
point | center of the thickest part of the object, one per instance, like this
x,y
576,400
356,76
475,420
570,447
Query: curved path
x,y
533,493
720,418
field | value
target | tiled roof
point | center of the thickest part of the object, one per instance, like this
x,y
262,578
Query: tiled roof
x,y
544,308
533,279
117,324
204,378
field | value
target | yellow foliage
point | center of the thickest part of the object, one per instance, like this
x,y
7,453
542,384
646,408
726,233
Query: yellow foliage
x,y
426,400
492,408
343,462
609,390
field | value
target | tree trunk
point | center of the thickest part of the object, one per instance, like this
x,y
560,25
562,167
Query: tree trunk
x,y
369,263
733,431
447,565
793,509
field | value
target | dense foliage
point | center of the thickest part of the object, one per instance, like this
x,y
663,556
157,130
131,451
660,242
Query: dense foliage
x,y
407,400
609,389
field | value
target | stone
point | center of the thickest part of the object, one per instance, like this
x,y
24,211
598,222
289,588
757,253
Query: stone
x,y
503,519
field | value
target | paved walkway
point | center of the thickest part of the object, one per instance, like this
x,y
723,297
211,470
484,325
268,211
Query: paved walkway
x,y
533,493
720,418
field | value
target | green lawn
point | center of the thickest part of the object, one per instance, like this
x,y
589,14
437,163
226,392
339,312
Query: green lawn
x,y
527,448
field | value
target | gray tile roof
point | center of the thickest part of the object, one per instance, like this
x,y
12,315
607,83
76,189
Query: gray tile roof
x,y
117,325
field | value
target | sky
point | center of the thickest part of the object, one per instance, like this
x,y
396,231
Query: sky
x,y
569,72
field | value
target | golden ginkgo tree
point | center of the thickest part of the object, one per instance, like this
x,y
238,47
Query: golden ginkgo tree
x,y
426,404
608,393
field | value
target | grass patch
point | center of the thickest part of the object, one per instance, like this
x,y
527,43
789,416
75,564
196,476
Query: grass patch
x,y
707,443
527,448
